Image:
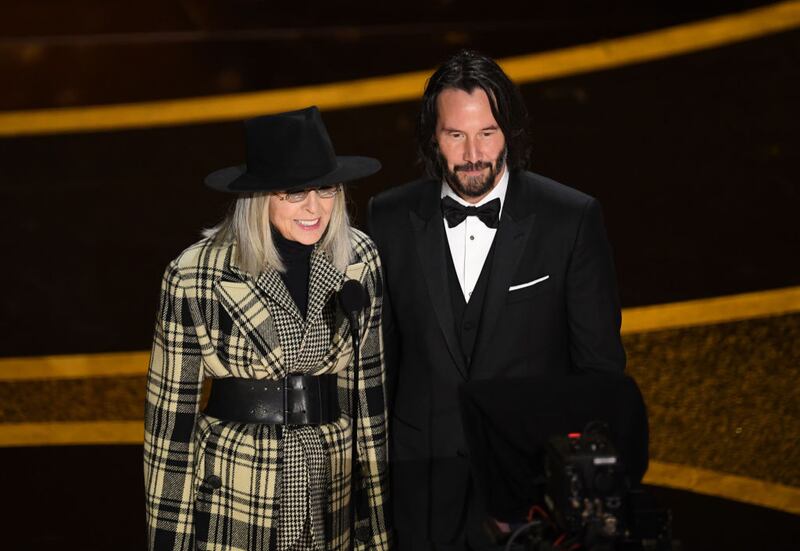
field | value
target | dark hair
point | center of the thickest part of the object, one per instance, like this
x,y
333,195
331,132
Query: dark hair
x,y
468,70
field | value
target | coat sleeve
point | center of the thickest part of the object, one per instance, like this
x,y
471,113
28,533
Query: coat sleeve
x,y
174,383
372,529
592,300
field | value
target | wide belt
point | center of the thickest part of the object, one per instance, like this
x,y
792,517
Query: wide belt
x,y
293,400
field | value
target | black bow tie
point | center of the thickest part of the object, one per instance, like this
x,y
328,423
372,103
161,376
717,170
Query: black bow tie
x,y
455,213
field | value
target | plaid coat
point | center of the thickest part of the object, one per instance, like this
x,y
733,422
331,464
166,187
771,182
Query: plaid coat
x,y
213,484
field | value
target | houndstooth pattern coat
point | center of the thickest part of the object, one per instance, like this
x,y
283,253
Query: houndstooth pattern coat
x,y
213,484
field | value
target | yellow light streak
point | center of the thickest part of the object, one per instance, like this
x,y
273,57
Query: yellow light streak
x,y
597,56
74,366
727,486
71,433
711,310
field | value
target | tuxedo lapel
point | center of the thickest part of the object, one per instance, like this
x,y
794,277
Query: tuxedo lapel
x,y
434,254
516,226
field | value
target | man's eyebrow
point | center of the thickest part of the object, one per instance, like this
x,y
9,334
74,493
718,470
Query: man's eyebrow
x,y
492,127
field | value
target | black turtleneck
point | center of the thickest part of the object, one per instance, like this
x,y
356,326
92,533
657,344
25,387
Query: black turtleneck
x,y
296,258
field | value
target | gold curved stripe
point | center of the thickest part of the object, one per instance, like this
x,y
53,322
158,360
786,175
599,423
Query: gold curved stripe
x,y
713,483
711,310
681,477
74,366
596,56
71,433
634,320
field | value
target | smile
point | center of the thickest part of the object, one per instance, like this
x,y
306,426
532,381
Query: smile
x,y
308,224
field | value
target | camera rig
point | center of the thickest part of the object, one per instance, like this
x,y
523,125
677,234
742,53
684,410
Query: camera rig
x,y
585,484
558,462
592,499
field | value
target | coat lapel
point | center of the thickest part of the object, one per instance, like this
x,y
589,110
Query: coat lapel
x,y
324,281
257,306
244,301
434,254
276,292
516,226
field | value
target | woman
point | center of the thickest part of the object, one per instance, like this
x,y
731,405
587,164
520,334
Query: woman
x,y
266,465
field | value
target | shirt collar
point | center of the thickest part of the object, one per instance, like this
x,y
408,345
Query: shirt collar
x,y
498,192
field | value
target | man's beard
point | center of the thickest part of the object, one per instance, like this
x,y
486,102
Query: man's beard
x,y
473,186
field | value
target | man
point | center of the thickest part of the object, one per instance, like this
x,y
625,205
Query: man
x,y
491,272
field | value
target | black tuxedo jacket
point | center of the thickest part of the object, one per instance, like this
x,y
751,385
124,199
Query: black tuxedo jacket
x,y
565,320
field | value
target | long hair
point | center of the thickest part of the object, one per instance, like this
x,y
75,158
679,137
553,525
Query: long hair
x,y
468,70
247,225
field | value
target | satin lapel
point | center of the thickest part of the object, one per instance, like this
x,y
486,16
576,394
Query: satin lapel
x,y
511,239
433,254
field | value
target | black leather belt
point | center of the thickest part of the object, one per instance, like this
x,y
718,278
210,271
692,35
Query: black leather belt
x,y
294,400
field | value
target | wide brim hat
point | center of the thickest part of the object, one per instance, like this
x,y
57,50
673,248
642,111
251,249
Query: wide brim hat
x,y
289,151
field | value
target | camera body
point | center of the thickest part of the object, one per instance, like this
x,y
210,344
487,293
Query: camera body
x,y
591,499
586,486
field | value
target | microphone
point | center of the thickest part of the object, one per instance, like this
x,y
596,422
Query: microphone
x,y
352,299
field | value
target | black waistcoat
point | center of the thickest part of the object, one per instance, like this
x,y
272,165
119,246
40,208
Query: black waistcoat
x,y
467,315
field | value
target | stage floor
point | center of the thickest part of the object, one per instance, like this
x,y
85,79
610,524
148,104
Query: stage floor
x,y
91,498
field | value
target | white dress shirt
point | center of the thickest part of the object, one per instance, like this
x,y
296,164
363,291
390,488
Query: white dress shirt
x,y
471,240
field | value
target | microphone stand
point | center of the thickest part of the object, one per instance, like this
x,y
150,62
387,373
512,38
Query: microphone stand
x,y
352,299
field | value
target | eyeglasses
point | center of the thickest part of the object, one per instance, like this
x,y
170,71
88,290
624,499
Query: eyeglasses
x,y
326,192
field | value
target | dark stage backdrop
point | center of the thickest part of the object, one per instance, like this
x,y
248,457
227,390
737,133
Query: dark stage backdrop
x,y
88,52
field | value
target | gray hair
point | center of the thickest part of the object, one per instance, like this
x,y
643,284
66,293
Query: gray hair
x,y
247,225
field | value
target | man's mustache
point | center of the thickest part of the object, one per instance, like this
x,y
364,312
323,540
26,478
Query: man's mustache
x,y
480,165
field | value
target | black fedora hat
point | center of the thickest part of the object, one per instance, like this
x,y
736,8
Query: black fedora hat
x,y
289,151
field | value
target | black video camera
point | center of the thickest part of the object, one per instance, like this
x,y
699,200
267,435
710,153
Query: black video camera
x,y
594,502
585,484
591,499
